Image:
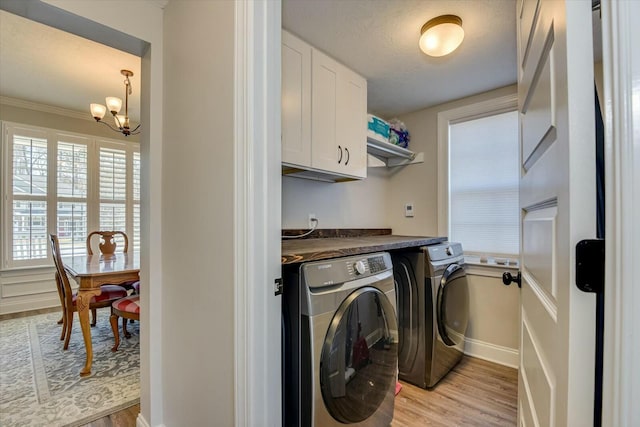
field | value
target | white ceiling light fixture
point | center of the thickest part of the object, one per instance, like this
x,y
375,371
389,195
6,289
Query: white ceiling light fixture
x,y
441,35
114,105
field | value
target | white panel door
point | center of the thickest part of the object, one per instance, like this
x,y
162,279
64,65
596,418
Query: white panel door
x,y
557,200
296,101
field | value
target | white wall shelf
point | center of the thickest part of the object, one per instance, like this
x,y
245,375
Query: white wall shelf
x,y
390,155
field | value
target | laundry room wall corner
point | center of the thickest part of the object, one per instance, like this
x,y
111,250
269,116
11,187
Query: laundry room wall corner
x,y
494,309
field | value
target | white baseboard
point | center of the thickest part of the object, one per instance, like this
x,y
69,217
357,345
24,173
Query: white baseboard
x,y
493,353
26,304
141,422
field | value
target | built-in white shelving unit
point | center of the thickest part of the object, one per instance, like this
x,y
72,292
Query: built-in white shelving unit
x,y
390,155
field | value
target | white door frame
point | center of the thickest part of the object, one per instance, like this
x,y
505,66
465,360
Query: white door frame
x,y
621,66
257,190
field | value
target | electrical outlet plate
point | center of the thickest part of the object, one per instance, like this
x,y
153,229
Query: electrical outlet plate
x,y
408,210
312,220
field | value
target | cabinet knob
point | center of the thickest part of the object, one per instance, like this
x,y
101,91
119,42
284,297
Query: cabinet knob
x,y
347,161
340,150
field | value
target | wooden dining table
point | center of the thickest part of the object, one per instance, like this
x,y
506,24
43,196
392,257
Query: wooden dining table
x,y
90,272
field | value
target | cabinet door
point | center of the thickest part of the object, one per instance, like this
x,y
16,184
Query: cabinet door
x,y
296,101
326,151
351,116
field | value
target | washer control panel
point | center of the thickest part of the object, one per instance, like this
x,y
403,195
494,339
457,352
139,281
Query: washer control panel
x,y
340,270
360,267
377,264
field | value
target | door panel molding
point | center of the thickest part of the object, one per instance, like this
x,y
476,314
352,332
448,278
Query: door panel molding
x,y
529,13
541,381
538,249
545,301
538,108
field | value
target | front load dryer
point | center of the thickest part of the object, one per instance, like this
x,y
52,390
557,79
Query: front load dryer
x,y
433,311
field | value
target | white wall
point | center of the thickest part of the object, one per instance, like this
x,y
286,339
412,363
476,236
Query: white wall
x,y
419,182
493,331
49,119
35,288
494,308
143,20
354,204
198,211
378,202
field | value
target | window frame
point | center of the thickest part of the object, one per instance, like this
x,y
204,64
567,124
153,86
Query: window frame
x,y
478,110
53,138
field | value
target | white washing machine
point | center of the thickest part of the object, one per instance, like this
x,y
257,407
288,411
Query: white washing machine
x,y
340,343
433,311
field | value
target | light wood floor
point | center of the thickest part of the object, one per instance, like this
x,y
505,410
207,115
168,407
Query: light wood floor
x,y
474,393
125,418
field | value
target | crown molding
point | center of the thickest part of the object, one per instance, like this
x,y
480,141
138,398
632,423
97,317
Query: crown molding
x,y
30,105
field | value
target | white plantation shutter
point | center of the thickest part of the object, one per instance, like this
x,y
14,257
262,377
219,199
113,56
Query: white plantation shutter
x,y
29,175
67,184
136,201
113,189
72,184
483,184
113,174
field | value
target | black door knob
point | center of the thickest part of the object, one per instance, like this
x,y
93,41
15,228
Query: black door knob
x,y
507,278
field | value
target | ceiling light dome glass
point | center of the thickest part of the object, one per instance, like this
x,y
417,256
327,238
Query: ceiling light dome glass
x,y
441,35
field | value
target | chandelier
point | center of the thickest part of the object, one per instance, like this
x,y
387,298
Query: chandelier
x,y
114,105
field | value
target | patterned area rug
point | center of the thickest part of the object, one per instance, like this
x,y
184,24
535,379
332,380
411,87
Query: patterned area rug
x,y
40,383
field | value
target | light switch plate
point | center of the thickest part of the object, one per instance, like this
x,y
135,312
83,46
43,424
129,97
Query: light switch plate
x,y
408,210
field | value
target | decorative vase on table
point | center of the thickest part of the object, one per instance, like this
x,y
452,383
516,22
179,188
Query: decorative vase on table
x,y
107,243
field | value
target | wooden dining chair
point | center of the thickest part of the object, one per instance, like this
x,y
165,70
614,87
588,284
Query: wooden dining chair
x,y
107,243
127,308
109,294
108,246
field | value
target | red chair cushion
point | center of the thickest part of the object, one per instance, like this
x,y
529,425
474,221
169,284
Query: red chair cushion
x,y
109,292
129,304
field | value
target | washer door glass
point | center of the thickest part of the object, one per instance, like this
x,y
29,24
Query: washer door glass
x,y
453,306
359,359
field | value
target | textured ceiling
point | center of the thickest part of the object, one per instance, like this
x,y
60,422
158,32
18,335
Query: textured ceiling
x,y
379,40
376,38
42,64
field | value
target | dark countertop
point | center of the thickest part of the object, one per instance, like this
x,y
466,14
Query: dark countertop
x,y
303,250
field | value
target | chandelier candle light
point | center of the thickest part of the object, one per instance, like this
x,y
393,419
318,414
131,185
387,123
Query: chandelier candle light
x,y
114,105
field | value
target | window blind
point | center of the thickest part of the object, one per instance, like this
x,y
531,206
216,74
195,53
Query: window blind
x,y
29,166
136,201
72,228
72,170
68,184
72,184
113,174
483,184
113,190
29,207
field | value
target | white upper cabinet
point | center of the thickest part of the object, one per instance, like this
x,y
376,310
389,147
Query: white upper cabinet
x,y
324,113
296,101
